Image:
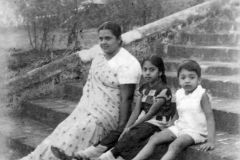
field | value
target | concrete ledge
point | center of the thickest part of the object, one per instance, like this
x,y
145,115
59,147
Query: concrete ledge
x,y
222,26
6,151
227,111
208,68
23,134
48,111
200,10
43,73
226,149
209,39
32,133
53,111
73,91
218,86
201,53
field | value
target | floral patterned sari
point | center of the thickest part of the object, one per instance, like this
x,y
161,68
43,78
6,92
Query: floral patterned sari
x,y
95,115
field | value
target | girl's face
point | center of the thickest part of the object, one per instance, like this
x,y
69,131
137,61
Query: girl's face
x,y
108,42
150,72
188,80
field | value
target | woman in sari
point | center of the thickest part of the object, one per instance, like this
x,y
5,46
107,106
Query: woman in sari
x,y
106,100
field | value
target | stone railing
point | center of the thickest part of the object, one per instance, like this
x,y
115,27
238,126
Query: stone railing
x,y
131,39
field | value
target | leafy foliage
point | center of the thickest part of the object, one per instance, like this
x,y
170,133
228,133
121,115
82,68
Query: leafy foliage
x,y
42,17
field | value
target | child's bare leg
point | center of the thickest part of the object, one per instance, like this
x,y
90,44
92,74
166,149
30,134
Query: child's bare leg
x,y
177,146
158,138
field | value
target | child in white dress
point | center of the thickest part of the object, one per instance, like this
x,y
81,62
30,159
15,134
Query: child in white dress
x,y
195,123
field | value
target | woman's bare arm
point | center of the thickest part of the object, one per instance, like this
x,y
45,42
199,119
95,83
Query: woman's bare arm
x,y
126,94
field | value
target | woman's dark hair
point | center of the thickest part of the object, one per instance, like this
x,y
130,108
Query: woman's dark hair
x,y
158,62
189,65
113,27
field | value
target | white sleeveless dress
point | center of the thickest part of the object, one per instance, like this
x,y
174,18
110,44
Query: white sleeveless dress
x,y
192,120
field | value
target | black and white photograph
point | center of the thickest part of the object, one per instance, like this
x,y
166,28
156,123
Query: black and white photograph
x,y
120,79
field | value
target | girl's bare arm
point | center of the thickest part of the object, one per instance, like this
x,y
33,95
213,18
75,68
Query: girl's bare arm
x,y
152,112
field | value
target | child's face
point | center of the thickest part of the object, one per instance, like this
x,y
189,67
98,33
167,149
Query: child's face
x,y
150,72
188,80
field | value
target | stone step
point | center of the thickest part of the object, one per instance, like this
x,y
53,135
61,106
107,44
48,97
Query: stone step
x,y
227,114
208,68
6,151
209,39
202,53
25,134
227,148
50,111
220,78
217,25
218,86
53,111
73,90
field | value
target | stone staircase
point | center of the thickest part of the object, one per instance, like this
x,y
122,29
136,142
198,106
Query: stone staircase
x,y
215,48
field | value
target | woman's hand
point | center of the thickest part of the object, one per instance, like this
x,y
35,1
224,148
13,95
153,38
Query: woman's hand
x,y
83,55
86,55
124,131
207,146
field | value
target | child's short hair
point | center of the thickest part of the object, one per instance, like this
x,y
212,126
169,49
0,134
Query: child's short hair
x,y
189,65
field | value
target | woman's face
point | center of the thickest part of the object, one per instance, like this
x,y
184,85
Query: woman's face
x,y
108,41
